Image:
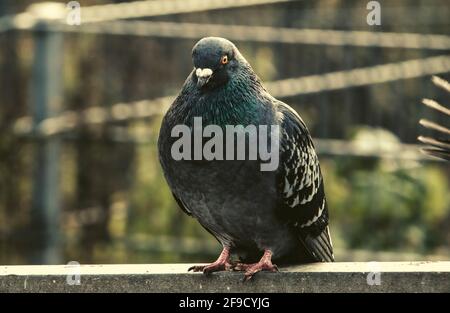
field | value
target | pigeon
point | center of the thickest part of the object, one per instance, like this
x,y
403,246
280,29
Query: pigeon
x,y
261,218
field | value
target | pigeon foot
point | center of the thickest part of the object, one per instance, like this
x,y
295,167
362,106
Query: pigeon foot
x,y
265,264
221,264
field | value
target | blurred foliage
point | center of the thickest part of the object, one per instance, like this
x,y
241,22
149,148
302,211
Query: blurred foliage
x,y
388,204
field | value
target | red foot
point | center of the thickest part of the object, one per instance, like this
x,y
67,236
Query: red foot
x,y
221,264
265,264
213,267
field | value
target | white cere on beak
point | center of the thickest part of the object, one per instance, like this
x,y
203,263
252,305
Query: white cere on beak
x,y
203,73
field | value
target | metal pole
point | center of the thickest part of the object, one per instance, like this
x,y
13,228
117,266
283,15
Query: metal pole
x,y
46,98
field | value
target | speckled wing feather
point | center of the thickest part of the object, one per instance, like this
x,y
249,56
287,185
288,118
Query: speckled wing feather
x,y
300,185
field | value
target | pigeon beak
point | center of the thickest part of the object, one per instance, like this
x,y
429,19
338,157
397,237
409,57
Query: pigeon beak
x,y
203,76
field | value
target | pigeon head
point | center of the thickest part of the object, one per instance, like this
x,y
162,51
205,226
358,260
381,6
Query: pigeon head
x,y
215,61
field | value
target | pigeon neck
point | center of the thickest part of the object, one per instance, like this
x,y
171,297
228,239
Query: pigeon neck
x,y
236,103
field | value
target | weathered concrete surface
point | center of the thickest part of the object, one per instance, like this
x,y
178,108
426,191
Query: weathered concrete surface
x,y
319,277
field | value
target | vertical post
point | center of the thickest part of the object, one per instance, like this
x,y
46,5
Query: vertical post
x,y
46,96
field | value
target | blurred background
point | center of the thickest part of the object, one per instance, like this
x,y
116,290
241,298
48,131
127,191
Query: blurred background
x,y
81,106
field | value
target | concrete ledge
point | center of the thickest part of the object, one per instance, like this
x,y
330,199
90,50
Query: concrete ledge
x,y
319,277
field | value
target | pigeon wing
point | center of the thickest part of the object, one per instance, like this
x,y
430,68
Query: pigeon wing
x,y
300,187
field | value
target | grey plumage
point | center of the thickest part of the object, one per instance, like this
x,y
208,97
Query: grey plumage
x,y
246,209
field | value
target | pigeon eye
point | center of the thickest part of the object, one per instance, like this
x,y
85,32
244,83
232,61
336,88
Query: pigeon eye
x,y
224,60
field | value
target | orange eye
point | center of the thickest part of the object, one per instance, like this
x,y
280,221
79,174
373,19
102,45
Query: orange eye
x,y
224,59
